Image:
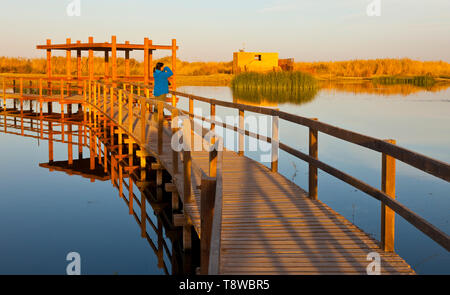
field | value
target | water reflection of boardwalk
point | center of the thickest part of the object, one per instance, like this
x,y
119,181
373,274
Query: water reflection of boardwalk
x,y
156,225
248,219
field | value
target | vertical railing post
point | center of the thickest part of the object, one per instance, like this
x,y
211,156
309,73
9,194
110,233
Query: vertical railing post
x,y
241,133
313,152
275,143
21,96
61,103
62,88
387,214
143,105
213,160
111,96
207,201
120,122
191,116
21,87
187,161
212,115
4,95
174,134
160,126
130,110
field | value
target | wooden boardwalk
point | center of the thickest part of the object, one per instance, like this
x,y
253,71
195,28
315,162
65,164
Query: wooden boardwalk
x,y
259,221
269,225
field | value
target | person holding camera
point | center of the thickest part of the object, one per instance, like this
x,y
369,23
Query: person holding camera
x,y
161,75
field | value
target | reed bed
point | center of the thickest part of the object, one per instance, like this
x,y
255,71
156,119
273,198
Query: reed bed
x,y
283,87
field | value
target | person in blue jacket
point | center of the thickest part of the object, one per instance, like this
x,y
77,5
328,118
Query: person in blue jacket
x,y
161,75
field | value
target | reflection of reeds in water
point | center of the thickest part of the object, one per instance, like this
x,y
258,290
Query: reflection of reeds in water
x,y
420,81
275,87
379,89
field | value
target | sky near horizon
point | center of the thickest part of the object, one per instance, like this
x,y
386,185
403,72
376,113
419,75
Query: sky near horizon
x,y
209,30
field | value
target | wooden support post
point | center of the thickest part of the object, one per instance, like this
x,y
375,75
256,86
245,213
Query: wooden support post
x,y
49,60
68,61
106,64
191,116
160,126
143,107
174,63
79,73
241,134
61,84
275,143
143,163
150,59
187,165
212,114
91,60
4,96
313,152
387,214
120,122
207,200
146,68
111,106
114,57
127,62
40,102
21,97
174,133
130,110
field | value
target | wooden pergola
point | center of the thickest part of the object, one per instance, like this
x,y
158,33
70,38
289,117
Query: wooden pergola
x,y
110,50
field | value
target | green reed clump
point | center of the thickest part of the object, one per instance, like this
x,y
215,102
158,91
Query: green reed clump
x,y
295,87
295,96
274,80
421,81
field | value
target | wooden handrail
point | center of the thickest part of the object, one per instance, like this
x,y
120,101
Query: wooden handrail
x,y
419,161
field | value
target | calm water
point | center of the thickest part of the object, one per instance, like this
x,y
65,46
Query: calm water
x,y
419,120
45,215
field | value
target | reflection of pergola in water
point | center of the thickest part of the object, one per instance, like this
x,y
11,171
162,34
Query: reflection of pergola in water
x,y
110,51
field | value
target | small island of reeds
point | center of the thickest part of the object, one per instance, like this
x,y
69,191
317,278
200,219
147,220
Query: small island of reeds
x,y
281,87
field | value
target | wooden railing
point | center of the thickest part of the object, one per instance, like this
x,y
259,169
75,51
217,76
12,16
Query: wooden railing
x,y
211,181
389,151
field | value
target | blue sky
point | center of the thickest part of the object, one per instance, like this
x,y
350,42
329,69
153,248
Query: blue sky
x,y
210,30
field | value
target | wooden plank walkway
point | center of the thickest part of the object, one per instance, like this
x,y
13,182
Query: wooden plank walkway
x,y
269,225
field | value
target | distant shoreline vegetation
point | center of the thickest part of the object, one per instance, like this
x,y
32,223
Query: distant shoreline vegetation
x,y
281,87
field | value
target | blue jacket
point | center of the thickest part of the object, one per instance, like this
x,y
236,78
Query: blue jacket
x,y
161,82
